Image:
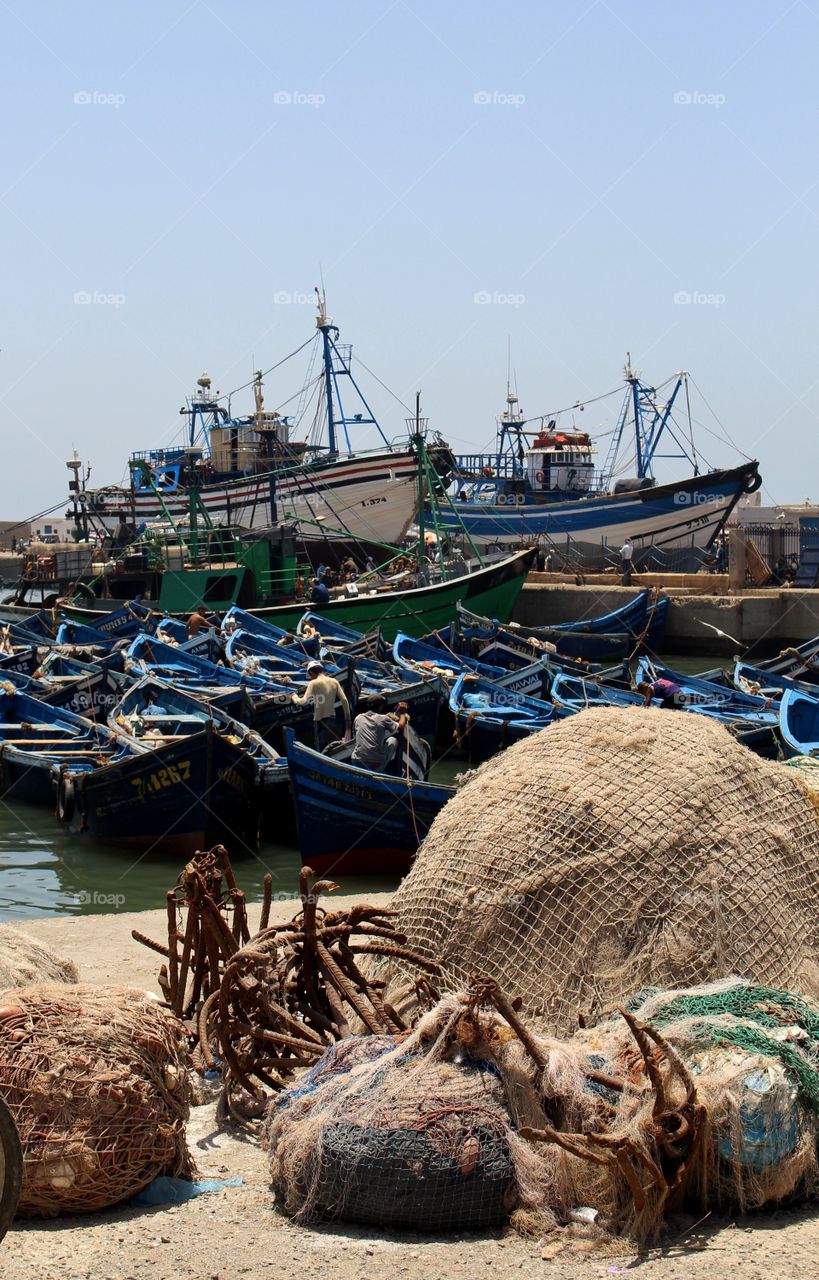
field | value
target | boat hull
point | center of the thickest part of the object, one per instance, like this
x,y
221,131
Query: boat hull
x,y
352,821
493,590
364,498
688,513
181,798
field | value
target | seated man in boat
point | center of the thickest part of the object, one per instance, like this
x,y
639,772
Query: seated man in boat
x,y
376,734
325,692
670,695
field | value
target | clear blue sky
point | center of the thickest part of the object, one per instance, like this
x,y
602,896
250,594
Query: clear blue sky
x,y
628,152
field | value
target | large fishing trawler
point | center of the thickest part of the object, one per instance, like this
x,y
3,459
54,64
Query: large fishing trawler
x,y
542,482
250,472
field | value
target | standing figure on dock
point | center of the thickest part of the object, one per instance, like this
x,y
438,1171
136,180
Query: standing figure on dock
x,y
324,691
626,557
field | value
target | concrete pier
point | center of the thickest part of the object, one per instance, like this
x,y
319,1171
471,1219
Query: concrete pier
x,y
761,620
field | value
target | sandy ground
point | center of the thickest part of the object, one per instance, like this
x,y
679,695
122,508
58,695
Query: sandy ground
x,y
238,1231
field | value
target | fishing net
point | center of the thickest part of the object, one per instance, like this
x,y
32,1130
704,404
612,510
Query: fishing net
x,y
472,1119
618,849
95,1079
387,1131
751,1054
24,960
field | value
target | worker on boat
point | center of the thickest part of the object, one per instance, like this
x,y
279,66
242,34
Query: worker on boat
x,y
320,593
669,694
376,734
324,691
197,621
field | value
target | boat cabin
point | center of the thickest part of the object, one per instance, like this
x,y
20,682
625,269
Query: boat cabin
x,y
561,461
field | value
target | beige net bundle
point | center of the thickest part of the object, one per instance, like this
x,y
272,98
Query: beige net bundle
x,y
410,1132
24,960
619,849
472,1119
95,1079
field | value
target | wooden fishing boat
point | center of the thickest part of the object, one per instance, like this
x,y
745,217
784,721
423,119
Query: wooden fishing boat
x,y
313,625
354,821
237,619
643,617
37,738
89,689
799,723
261,702
756,730
489,717
799,662
432,658
194,777
707,693
590,646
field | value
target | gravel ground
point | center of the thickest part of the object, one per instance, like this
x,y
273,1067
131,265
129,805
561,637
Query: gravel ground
x,y
238,1231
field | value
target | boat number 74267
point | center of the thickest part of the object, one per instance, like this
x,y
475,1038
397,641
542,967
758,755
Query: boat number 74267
x,y
168,777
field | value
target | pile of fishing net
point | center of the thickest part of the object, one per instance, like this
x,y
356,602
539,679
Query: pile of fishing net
x,y
95,1080
24,960
472,1119
618,849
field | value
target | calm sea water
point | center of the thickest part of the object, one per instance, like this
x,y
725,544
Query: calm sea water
x,y
45,871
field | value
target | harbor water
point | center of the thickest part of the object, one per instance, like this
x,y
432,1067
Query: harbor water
x,y
46,871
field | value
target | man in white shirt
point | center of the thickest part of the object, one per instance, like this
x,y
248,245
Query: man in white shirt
x,y
325,692
626,557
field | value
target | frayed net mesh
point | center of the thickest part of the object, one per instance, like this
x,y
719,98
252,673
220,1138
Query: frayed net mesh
x,y
95,1079
617,850
461,1124
24,960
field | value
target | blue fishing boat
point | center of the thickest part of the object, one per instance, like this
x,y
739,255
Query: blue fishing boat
x,y
431,657
488,717
87,688
314,625
768,684
237,619
644,618
756,729
263,703
587,646
573,693
194,777
354,821
425,695
708,693
36,739
542,482
799,662
799,723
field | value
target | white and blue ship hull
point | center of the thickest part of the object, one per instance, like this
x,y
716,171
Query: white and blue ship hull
x,y
687,513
